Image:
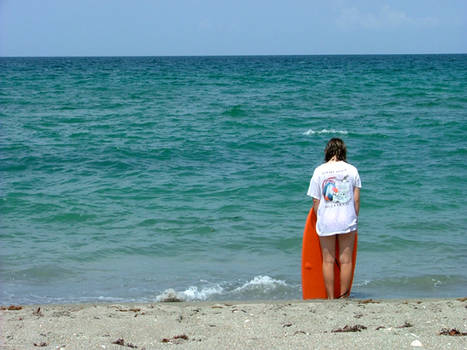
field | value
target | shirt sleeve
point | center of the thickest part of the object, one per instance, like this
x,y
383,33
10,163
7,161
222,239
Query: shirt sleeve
x,y
314,188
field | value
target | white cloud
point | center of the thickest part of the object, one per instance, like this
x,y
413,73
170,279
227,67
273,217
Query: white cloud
x,y
385,18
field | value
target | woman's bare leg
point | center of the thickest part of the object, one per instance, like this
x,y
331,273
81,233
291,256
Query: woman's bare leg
x,y
328,249
346,242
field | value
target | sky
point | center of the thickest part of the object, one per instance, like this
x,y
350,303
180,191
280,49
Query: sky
x,y
230,27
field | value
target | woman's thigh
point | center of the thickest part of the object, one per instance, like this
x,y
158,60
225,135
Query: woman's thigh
x,y
346,242
328,248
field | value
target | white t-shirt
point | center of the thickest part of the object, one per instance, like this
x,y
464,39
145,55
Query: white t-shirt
x,y
333,184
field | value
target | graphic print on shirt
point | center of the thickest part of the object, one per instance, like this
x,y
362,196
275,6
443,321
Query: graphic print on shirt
x,y
337,190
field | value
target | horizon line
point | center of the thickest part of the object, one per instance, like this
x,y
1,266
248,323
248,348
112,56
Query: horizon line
x,y
238,55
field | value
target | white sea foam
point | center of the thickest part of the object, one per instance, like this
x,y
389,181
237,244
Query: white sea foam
x,y
436,282
170,295
265,283
325,131
190,294
362,283
193,293
259,285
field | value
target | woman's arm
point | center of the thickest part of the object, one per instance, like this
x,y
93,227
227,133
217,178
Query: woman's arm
x,y
356,199
315,205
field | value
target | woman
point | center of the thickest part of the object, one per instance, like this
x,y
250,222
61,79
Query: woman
x,y
335,188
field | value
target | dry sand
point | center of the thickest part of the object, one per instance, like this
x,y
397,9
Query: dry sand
x,y
411,324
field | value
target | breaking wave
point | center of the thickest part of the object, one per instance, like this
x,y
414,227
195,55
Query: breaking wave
x,y
260,287
325,131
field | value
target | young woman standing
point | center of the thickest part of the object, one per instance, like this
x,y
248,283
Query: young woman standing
x,y
335,189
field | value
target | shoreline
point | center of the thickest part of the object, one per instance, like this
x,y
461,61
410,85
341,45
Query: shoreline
x,y
350,323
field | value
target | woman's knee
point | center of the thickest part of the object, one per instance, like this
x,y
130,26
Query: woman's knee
x,y
328,259
345,259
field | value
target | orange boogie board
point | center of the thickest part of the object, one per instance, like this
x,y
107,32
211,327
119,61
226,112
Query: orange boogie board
x,y
312,272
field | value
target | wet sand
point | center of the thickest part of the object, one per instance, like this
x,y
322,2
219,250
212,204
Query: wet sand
x,y
340,324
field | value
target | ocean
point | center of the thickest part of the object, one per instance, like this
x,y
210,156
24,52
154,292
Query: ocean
x,y
130,179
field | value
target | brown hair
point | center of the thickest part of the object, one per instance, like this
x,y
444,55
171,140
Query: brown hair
x,y
335,147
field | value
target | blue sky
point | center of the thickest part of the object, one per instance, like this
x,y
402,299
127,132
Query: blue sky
x,y
240,27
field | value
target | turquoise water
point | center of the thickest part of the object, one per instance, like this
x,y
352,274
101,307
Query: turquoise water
x,y
123,178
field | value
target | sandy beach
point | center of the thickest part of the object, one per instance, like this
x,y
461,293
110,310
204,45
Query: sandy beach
x,y
340,324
